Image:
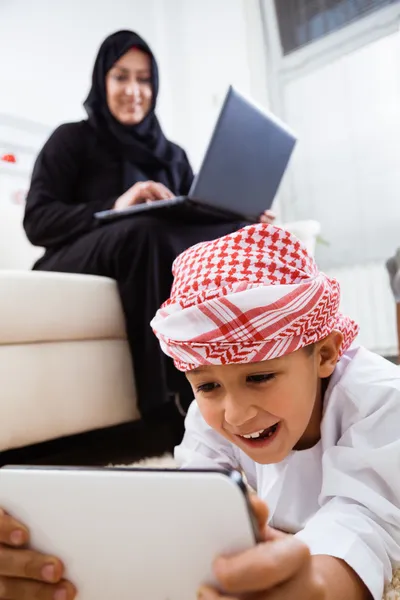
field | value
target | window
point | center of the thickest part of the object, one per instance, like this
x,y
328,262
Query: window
x,y
341,94
304,21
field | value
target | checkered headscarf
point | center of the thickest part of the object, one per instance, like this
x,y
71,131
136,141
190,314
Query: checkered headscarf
x,y
249,296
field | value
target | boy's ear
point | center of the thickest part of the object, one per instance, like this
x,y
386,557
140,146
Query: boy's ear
x,y
328,353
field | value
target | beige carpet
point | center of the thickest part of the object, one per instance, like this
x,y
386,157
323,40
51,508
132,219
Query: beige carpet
x,y
162,462
392,591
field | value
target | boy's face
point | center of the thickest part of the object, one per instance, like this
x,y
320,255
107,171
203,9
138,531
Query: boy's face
x,y
277,402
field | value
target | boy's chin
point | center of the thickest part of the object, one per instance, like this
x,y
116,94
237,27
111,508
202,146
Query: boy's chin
x,y
269,458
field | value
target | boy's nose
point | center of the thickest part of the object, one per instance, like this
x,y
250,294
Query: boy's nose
x,y
238,412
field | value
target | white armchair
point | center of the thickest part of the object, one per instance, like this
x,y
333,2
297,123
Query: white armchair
x,y
65,366
306,231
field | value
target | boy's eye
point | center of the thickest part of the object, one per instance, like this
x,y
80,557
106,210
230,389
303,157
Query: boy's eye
x,y
206,387
260,377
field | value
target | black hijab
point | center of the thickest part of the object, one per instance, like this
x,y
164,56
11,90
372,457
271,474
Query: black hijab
x,y
145,151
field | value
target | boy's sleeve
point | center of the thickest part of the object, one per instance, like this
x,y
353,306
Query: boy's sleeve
x,y
359,518
202,447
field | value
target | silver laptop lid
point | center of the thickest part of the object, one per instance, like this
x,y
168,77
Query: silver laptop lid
x,y
246,159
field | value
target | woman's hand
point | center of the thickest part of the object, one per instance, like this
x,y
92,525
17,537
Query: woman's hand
x,y
143,191
268,217
26,574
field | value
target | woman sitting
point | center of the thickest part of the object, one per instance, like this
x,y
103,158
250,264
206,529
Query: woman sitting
x,y
116,158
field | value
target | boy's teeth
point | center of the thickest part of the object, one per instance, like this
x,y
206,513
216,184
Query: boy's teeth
x,y
267,433
256,434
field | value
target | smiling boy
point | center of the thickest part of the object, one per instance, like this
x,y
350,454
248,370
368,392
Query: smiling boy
x,y
282,393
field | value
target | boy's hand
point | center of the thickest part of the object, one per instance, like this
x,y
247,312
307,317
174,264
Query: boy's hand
x,y
26,574
281,568
277,569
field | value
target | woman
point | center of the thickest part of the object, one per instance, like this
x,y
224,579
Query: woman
x,y
117,158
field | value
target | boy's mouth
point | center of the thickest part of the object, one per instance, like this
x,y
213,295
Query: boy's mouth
x,y
262,436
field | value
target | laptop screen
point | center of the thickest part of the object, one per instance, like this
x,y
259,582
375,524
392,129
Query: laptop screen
x,y
245,161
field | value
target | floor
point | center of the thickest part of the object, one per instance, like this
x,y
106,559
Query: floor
x,y
122,444
160,462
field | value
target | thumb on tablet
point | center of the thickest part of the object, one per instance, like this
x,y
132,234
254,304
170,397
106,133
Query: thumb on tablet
x,y
11,531
260,511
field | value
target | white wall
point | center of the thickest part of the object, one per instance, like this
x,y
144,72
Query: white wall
x,y
341,95
47,51
346,173
50,49
207,45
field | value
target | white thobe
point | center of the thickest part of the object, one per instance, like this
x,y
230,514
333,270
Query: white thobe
x,y
341,497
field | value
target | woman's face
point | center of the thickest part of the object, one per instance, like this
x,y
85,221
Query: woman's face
x,y
128,87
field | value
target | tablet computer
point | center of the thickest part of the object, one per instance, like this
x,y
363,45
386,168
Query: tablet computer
x,y
125,533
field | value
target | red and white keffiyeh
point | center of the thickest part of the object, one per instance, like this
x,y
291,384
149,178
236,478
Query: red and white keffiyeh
x,y
250,296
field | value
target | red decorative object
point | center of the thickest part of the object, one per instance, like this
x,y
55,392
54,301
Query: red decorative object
x,y
10,158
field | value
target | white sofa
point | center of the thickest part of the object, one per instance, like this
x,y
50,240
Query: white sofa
x,y
65,366
306,231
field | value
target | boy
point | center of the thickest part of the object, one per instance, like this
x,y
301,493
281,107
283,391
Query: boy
x,y
280,394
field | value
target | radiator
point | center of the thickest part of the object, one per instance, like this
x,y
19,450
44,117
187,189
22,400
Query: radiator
x,y
368,299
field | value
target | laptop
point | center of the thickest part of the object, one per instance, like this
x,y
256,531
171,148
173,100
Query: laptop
x,y
242,169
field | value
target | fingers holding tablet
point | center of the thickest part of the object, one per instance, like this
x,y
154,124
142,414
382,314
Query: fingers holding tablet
x,y
19,589
12,532
138,513
260,512
25,573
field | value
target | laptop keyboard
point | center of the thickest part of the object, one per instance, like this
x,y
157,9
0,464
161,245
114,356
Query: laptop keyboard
x,y
155,204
